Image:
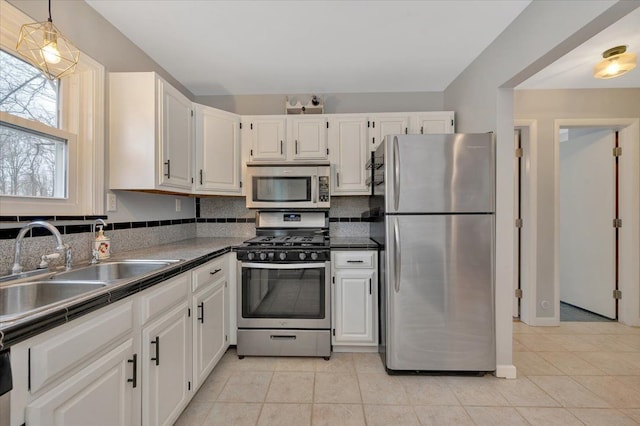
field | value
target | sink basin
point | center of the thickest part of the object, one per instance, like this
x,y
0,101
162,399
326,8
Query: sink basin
x,y
21,299
114,271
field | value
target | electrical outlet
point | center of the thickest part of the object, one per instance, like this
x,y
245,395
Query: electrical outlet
x,y
112,202
178,205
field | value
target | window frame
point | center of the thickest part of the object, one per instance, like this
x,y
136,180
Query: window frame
x,y
72,198
81,118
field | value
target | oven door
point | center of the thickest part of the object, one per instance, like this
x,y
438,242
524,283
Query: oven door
x,y
284,295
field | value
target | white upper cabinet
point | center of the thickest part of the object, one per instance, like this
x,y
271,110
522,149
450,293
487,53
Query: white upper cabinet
x,y
308,136
175,136
150,134
434,122
348,154
217,152
381,125
265,136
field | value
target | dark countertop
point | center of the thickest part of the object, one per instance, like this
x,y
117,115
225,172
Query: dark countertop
x,y
353,243
192,253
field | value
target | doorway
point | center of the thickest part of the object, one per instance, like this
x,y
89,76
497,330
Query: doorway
x,y
588,256
627,238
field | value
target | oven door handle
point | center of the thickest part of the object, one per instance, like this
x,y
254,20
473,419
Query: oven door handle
x,y
284,265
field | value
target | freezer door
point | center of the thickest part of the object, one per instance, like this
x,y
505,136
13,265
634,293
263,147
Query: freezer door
x,y
439,293
440,173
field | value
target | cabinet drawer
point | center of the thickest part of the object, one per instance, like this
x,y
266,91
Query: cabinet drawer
x,y
211,271
354,259
60,352
163,296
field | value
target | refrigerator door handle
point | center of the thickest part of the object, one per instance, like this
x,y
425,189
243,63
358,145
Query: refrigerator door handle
x,y
396,173
396,251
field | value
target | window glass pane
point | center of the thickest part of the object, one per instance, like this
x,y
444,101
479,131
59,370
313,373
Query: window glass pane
x,y
32,164
26,92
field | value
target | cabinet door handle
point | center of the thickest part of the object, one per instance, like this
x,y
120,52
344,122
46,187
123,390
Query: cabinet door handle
x,y
422,130
134,379
281,148
355,261
156,342
369,285
406,130
337,178
201,308
168,164
296,146
200,176
215,271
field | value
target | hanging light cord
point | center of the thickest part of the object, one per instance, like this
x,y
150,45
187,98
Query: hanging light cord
x,y
50,20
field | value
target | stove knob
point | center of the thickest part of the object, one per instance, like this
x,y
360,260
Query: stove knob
x,y
250,255
314,256
302,255
283,255
271,256
263,256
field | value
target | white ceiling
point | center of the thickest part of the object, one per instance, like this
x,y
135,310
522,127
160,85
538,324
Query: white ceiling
x,y
574,70
306,46
280,47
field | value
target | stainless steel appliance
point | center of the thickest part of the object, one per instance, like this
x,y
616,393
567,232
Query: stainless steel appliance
x,y
284,289
434,198
288,186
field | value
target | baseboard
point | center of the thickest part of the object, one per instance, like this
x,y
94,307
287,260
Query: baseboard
x,y
506,371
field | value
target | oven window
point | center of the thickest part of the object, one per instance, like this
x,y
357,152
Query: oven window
x,y
283,293
275,189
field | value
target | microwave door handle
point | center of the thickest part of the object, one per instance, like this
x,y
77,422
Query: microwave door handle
x,y
314,182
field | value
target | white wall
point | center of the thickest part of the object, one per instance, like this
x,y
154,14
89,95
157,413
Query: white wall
x,y
333,102
482,98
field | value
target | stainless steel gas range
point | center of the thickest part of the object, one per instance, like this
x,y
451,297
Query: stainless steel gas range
x,y
284,289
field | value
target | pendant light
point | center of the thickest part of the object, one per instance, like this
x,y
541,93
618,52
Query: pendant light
x,y
44,46
615,63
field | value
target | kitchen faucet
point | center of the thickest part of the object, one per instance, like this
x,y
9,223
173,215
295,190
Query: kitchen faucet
x,y
17,268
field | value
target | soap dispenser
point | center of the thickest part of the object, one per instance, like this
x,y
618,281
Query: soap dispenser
x,y
102,244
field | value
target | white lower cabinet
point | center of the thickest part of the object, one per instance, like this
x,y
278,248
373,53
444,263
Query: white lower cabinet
x,y
137,361
166,366
100,394
210,319
355,301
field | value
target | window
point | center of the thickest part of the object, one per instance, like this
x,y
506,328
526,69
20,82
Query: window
x,y
51,133
32,164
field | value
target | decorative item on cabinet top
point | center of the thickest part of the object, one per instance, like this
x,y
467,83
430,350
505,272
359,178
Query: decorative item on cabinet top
x,y
315,105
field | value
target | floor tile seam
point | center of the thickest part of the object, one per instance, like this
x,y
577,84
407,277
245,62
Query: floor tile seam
x,y
589,391
602,398
619,410
582,359
538,388
582,356
562,408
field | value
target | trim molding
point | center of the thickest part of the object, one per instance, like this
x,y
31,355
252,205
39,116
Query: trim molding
x,y
506,371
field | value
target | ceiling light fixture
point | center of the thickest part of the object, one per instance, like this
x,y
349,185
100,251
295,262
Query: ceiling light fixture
x,y
615,63
44,46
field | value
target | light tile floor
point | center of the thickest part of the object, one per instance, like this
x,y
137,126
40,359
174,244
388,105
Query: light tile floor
x,y
575,374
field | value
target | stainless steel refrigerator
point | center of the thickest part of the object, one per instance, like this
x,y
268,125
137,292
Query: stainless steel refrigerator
x,y
434,205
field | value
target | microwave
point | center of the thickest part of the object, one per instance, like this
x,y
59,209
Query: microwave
x,y
288,186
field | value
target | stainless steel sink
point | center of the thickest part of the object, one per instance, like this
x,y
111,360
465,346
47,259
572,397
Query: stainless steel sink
x,y
113,271
18,300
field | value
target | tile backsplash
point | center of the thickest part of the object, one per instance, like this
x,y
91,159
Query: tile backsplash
x,y
216,217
